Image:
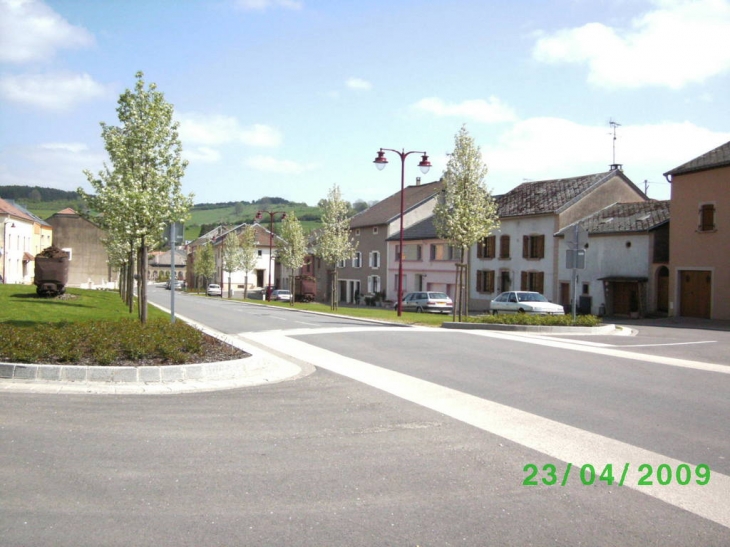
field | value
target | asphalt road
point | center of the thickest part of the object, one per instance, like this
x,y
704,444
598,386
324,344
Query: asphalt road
x,y
401,437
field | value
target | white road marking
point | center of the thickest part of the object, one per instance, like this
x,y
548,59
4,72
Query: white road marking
x,y
557,440
668,344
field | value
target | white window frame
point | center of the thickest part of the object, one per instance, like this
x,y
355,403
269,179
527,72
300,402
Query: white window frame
x,y
374,259
357,260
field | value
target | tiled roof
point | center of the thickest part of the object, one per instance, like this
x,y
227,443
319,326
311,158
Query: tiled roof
x,y
639,216
67,211
262,234
420,230
719,157
38,219
548,196
386,210
10,209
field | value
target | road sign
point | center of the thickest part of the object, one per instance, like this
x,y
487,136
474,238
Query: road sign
x,y
575,259
179,233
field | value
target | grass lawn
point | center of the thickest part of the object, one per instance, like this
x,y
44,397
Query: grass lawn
x,y
20,306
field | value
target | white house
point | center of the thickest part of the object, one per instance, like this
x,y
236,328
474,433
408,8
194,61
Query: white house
x,y
523,254
17,250
626,260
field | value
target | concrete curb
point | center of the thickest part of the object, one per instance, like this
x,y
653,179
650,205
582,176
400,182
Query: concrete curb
x,y
533,329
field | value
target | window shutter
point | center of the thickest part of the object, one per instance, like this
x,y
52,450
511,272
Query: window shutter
x,y
540,247
540,282
523,280
479,287
525,247
490,281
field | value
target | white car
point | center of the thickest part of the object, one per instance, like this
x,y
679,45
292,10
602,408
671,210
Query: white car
x,y
281,295
432,302
214,290
524,302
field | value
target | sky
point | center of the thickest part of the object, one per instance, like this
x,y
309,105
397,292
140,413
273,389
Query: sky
x,y
287,98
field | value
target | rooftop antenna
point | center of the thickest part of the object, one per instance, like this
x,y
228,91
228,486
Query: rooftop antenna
x,y
614,125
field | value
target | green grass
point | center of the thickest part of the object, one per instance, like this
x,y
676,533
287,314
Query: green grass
x,y
86,327
20,306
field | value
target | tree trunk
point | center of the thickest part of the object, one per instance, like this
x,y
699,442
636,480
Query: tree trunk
x,y
333,291
245,287
143,282
130,279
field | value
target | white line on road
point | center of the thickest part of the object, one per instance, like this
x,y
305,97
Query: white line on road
x,y
557,440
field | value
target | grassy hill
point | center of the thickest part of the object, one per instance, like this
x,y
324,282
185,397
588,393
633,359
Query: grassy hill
x,y
45,202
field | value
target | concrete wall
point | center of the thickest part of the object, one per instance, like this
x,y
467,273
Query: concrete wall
x,y
88,256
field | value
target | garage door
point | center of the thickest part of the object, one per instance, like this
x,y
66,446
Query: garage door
x,y
695,293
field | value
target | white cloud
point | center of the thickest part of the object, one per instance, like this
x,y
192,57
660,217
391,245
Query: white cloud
x,y
218,129
32,31
261,5
59,91
273,165
546,148
56,165
358,83
489,111
679,42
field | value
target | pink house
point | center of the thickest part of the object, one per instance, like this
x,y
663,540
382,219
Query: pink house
x,y
699,235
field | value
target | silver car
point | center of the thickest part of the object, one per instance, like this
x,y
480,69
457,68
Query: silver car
x,y
427,301
524,302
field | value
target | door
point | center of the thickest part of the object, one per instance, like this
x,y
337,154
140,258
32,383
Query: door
x,y
662,289
695,293
565,294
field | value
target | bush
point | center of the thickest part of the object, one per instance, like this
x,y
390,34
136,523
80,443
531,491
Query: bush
x,y
546,320
123,342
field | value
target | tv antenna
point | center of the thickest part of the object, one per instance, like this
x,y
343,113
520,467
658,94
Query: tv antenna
x,y
614,125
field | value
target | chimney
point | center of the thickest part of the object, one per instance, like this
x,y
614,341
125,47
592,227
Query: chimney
x,y
418,181
617,167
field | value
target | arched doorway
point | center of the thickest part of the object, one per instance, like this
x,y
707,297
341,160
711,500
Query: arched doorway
x,y
662,289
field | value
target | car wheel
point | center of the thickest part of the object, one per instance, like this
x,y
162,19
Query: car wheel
x,y
520,311
494,312
419,309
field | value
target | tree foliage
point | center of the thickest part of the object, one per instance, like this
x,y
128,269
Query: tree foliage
x,y
231,256
139,191
204,263
249,253
293,249
465,212
335,242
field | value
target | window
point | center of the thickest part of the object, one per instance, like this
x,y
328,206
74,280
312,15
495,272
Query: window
x,y
504,247
341,263
532,281
373,283
486,248
504,281
410,252
443,251
375,230
374,259
533,246
419,282
357,231
67,249
485,281
260,252
357,260
707,217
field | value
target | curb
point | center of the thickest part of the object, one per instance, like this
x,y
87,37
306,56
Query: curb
x,y
535,329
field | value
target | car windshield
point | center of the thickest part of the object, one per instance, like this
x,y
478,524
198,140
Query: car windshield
x,y
530,297
437,295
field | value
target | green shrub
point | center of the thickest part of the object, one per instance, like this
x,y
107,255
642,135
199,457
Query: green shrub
x,y
546,320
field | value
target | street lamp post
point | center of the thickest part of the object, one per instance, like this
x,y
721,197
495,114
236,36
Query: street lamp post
x,y
272,214
380,162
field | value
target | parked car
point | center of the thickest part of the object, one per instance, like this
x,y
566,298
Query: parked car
x,y
214,290
282,295
524,302
433,302
179,285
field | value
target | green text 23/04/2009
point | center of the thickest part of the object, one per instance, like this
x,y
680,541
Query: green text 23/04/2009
x,y
663,475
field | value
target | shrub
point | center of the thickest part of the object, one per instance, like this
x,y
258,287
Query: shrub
x,y
546,320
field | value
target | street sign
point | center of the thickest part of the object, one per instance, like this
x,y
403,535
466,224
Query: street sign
x,y
575,259
179,233
577,237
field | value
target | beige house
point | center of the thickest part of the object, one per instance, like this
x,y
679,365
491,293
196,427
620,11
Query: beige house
x,y
88,260
699,252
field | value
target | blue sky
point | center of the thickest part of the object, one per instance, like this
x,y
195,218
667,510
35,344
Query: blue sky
x,y
289,97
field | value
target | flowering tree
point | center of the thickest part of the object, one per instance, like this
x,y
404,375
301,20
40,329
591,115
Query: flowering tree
x,y
465,212
293,248
140,192
204,264
335,243
231,256
249,253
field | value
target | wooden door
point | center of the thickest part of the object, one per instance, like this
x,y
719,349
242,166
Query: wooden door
x,y
695,293
662,289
